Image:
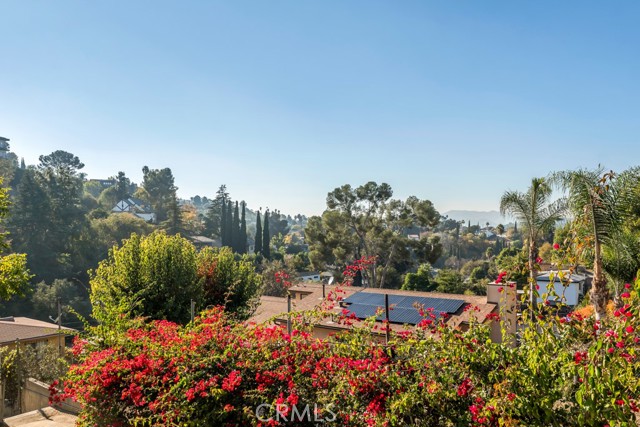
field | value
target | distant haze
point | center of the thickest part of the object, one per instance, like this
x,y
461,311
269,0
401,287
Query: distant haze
x,y
492,217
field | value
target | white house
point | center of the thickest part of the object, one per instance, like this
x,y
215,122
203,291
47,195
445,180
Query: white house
x,y
310,276
561,286
137,207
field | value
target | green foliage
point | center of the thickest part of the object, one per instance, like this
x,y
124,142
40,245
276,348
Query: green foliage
x,y
217,372
48,216
602,203
19,364
108,198
266,237
514,262
242,244
235,230
215,218
94,188
258,240
153,276
161,190
14,275
72,298
227,281
450,282
422,280
271,286
366,221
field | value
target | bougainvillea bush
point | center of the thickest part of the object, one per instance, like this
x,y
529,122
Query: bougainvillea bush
x,y
216,371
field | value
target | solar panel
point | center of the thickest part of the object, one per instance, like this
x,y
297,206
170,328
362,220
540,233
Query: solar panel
x,y
439,305
396,315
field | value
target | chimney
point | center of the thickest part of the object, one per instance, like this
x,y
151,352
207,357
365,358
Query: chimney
x,y
504,295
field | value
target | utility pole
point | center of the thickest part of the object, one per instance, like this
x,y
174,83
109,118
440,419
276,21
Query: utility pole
x,y
59,327
386,316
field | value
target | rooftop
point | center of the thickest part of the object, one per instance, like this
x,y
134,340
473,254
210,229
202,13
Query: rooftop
x,y
24,329
276,307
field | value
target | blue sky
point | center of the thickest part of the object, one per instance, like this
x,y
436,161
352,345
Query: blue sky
x,y
282,101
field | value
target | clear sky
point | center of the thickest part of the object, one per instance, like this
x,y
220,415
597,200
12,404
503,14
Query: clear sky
x,y
282,101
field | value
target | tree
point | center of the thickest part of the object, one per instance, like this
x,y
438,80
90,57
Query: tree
x,y
48,217
223,223
500,229
123,186
272,285
266,237
153,276
236,229
112,230
173,224
71,296
228,225
216,215
243,230
14,274
419,281
226,281
61,162
365,221
450,282
258,240
161,190
537,213
600,203
278,224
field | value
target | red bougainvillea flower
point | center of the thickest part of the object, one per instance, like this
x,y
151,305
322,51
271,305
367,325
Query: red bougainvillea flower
x,y
556,246
501,277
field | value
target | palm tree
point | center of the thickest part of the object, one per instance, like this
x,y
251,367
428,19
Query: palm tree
x,y
599,202
536,213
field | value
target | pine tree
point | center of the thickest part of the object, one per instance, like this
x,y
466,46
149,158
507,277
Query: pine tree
x,y
216,213
258,243
515,228
243,230
223,224
22,165
235,237
266,238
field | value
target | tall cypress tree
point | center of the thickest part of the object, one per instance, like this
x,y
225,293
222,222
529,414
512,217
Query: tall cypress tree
x,y
243,230
266,238
258,243
229,224
236,229
223,224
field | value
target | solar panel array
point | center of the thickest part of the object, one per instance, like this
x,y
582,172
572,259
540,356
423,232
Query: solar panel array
x,y
402,309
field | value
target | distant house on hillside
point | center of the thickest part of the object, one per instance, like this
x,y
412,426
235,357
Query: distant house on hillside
x,y
136,207
104,183
310,276
204,241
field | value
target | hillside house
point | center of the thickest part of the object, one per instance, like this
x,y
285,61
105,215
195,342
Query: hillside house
x,y
137,207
